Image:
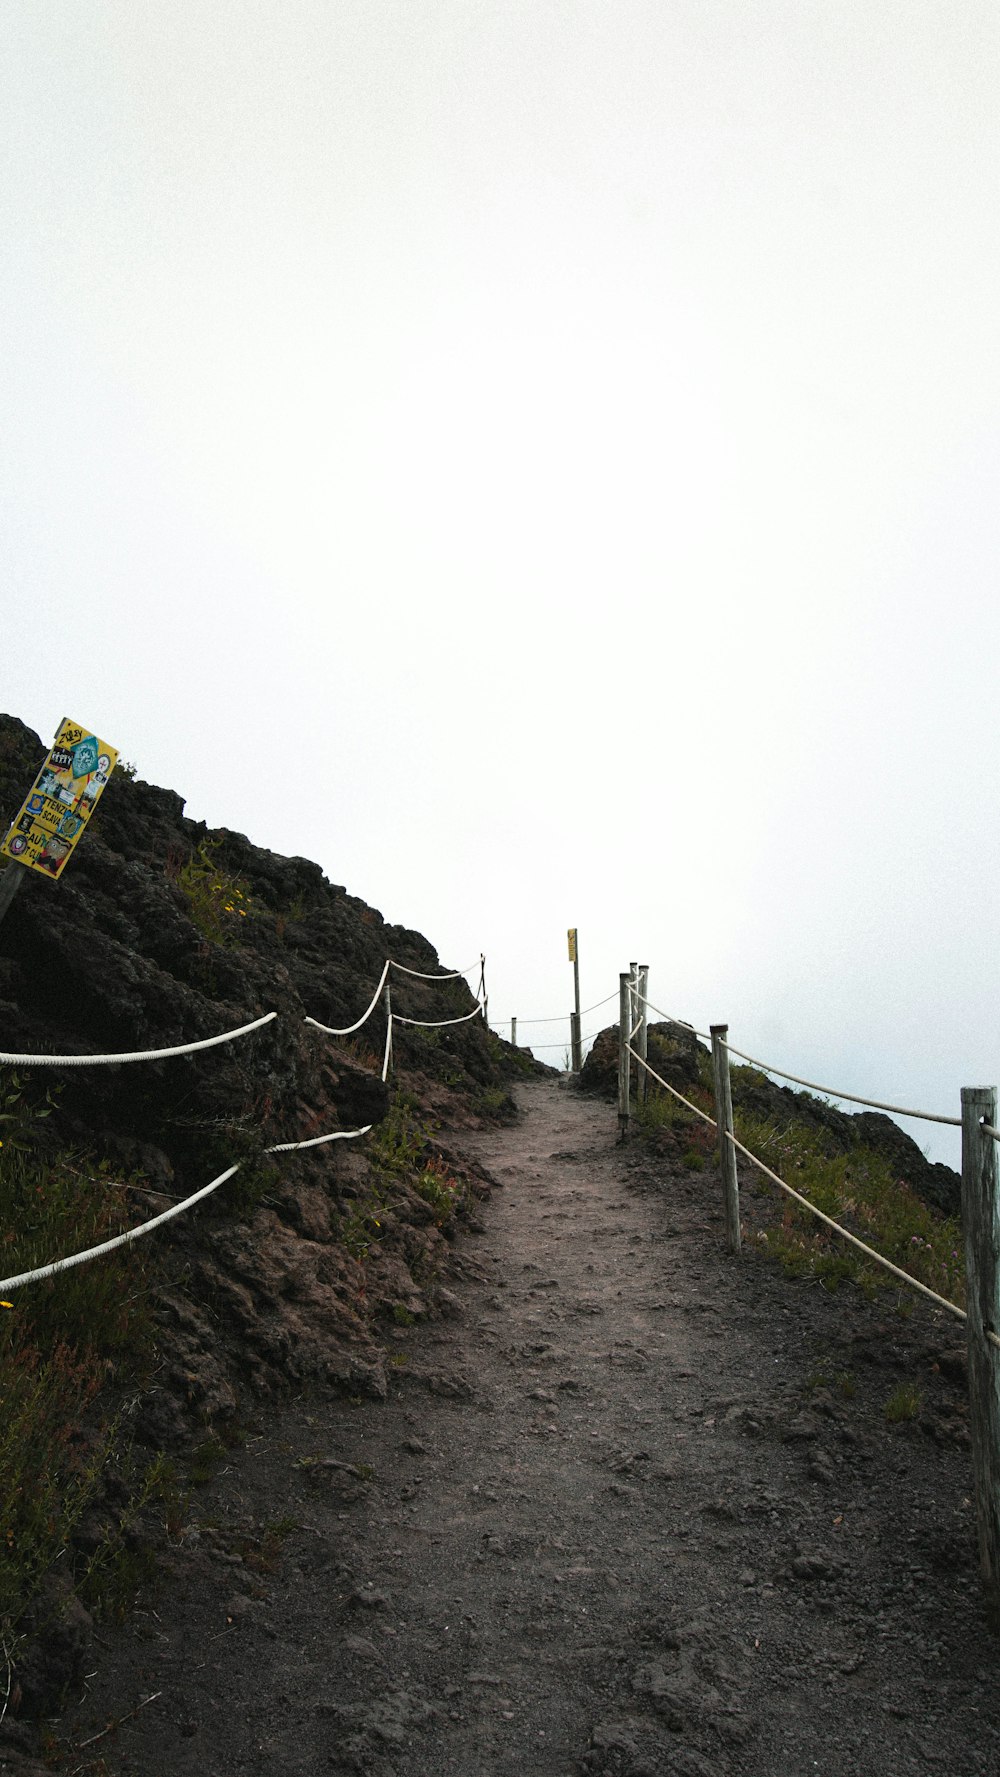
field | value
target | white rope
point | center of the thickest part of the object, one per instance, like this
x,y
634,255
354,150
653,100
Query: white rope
x,y
558,1018
565,1045
315,1141
387,1057
108,1246
988,1129
869,1251
228,1036
673,1089
348,1029
439,1023
451,975
670,1019
593,1008
899,1110
562,1018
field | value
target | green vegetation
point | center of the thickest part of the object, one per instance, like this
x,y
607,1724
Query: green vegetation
x,y
217,901
861,1190
62,1342
401,1157
858,1188
903,1403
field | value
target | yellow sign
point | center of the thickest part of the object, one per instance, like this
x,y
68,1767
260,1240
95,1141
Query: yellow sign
x,y
571,935
61,800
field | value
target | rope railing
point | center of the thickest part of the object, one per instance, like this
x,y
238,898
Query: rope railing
x,y
113,1060
768,1067
446,975
439,1023
557,1018
874,1104
39,1273
837,1227
130,1235
347,1030
980,1216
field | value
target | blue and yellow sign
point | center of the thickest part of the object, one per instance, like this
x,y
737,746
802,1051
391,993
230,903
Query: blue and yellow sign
x,y
61,801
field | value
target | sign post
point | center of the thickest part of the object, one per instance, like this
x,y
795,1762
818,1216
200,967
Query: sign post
x,y
576,1045
57,808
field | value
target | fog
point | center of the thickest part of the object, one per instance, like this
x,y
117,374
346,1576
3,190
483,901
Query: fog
x,y
539,461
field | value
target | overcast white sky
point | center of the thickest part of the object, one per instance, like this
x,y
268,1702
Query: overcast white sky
x,y
540,460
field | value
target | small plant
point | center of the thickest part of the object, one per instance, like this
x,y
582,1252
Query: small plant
x,y
61,1341
217,902
438,1187
402,1316
859,1189
903,1403
205,1462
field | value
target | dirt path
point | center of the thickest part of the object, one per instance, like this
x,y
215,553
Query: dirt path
x,y
634,1508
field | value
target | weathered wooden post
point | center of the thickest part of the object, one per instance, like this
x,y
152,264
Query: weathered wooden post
x,y
513,1033
724,1120
642,1046
387,1008
981,1226
624,1026
575,1045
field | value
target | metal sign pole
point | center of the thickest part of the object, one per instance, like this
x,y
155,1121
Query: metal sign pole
x,y
10,882
576,1045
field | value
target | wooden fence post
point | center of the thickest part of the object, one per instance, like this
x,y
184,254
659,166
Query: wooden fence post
x,y
513,1033
576,1047
387,1008
624,1026
724,1119
642,1046
980,1211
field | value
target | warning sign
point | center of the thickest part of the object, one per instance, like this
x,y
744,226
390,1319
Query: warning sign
x,y
61,801
571,935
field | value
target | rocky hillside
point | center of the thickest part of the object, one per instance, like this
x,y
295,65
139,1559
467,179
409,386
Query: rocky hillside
x,y
160,933
684,1063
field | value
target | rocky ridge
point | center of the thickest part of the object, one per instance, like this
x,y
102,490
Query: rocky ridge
x,y
162,933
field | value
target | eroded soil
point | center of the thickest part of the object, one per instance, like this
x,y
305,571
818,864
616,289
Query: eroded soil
x,y
634,1507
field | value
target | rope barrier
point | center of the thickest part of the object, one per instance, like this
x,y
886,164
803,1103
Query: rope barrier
x,y
899,1110
108,1246
561,1017
449,975
670,1019
869,1251
565,1045
438,1023
988,1129
316,1141
227,1036
132,1234
349,1029
691,1107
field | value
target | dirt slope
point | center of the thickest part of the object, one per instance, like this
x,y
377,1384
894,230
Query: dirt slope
x,y
633,1508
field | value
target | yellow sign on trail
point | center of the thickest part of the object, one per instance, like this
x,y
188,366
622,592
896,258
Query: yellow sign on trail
x,y
61,801
571,935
